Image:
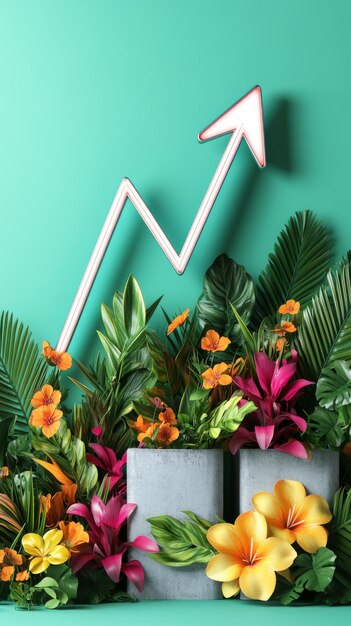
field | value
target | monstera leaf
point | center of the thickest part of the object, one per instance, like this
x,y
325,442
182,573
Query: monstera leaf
x,y
312,572
334,385
325,333
226,285
297,267
22,371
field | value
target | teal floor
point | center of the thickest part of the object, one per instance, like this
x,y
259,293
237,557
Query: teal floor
x,y
204,613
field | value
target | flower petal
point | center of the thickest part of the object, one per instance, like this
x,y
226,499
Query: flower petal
x,y
264,436
51,539
112,566
224,539
290,494
311,538
239,438
281,376
144,543
315,510
251,525
33,544
277,554
293,447
135,572
265,369
223,567
257,581
292,389
268,505
59,555
231,588
38,565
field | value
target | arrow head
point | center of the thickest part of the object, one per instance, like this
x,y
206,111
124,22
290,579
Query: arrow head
x,y
246,117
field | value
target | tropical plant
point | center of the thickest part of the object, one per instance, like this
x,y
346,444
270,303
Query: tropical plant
x,y
297,267
106,548
22,370
275,422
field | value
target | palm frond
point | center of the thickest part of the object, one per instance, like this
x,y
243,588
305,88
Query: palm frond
x,y
325,333
22,371
297,267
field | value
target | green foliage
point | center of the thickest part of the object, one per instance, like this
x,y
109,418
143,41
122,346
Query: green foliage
x,y
312,572
325,333
124,374
334,385
22,371
6,426
69,453
327,428
340,542
226,285
56,589
297,267
181,543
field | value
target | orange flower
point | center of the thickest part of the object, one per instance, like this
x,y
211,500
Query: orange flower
x,y
74,536
6,573
291,307
55,470
141,425
168,416
285,327
212,342
234,368
215,376
47,395
62,360
57,504
280,343
178,321
22,576
148,433
4,473
166,434
47,418
9,558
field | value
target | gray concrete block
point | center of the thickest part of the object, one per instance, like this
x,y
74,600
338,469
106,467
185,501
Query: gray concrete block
x,y
259,470
167,482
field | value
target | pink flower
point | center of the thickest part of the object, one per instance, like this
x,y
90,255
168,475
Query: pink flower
x,y
106,459
275,423
105,548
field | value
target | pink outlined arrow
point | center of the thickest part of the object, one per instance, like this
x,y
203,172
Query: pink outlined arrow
x,y
244,120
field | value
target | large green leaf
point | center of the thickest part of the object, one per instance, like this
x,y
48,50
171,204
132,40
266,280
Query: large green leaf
x,y
327,428
325,333
226,285
340,542
297,267
22,371
312,572
182,543
334,385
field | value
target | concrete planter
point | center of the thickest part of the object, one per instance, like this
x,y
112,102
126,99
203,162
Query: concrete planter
x,y
167,482
259,470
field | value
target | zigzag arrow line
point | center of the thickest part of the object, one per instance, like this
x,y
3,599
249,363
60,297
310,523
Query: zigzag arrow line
x,y
243,119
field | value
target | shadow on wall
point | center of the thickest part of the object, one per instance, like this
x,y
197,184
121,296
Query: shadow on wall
x,y
280,154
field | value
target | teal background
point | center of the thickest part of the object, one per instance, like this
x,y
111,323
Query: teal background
x,y
91,91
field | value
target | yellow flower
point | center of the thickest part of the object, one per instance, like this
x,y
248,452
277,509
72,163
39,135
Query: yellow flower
x,y
212,342
45,550
293,516
291,307
247,560
215,376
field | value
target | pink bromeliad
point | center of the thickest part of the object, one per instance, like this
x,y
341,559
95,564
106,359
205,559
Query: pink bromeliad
x,y
105,548
275,422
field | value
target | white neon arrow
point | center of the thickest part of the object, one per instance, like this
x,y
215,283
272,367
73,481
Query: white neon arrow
x,y
244,120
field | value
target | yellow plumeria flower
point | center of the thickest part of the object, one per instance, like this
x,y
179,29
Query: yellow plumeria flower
x,y
293,516
247,559
45,550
